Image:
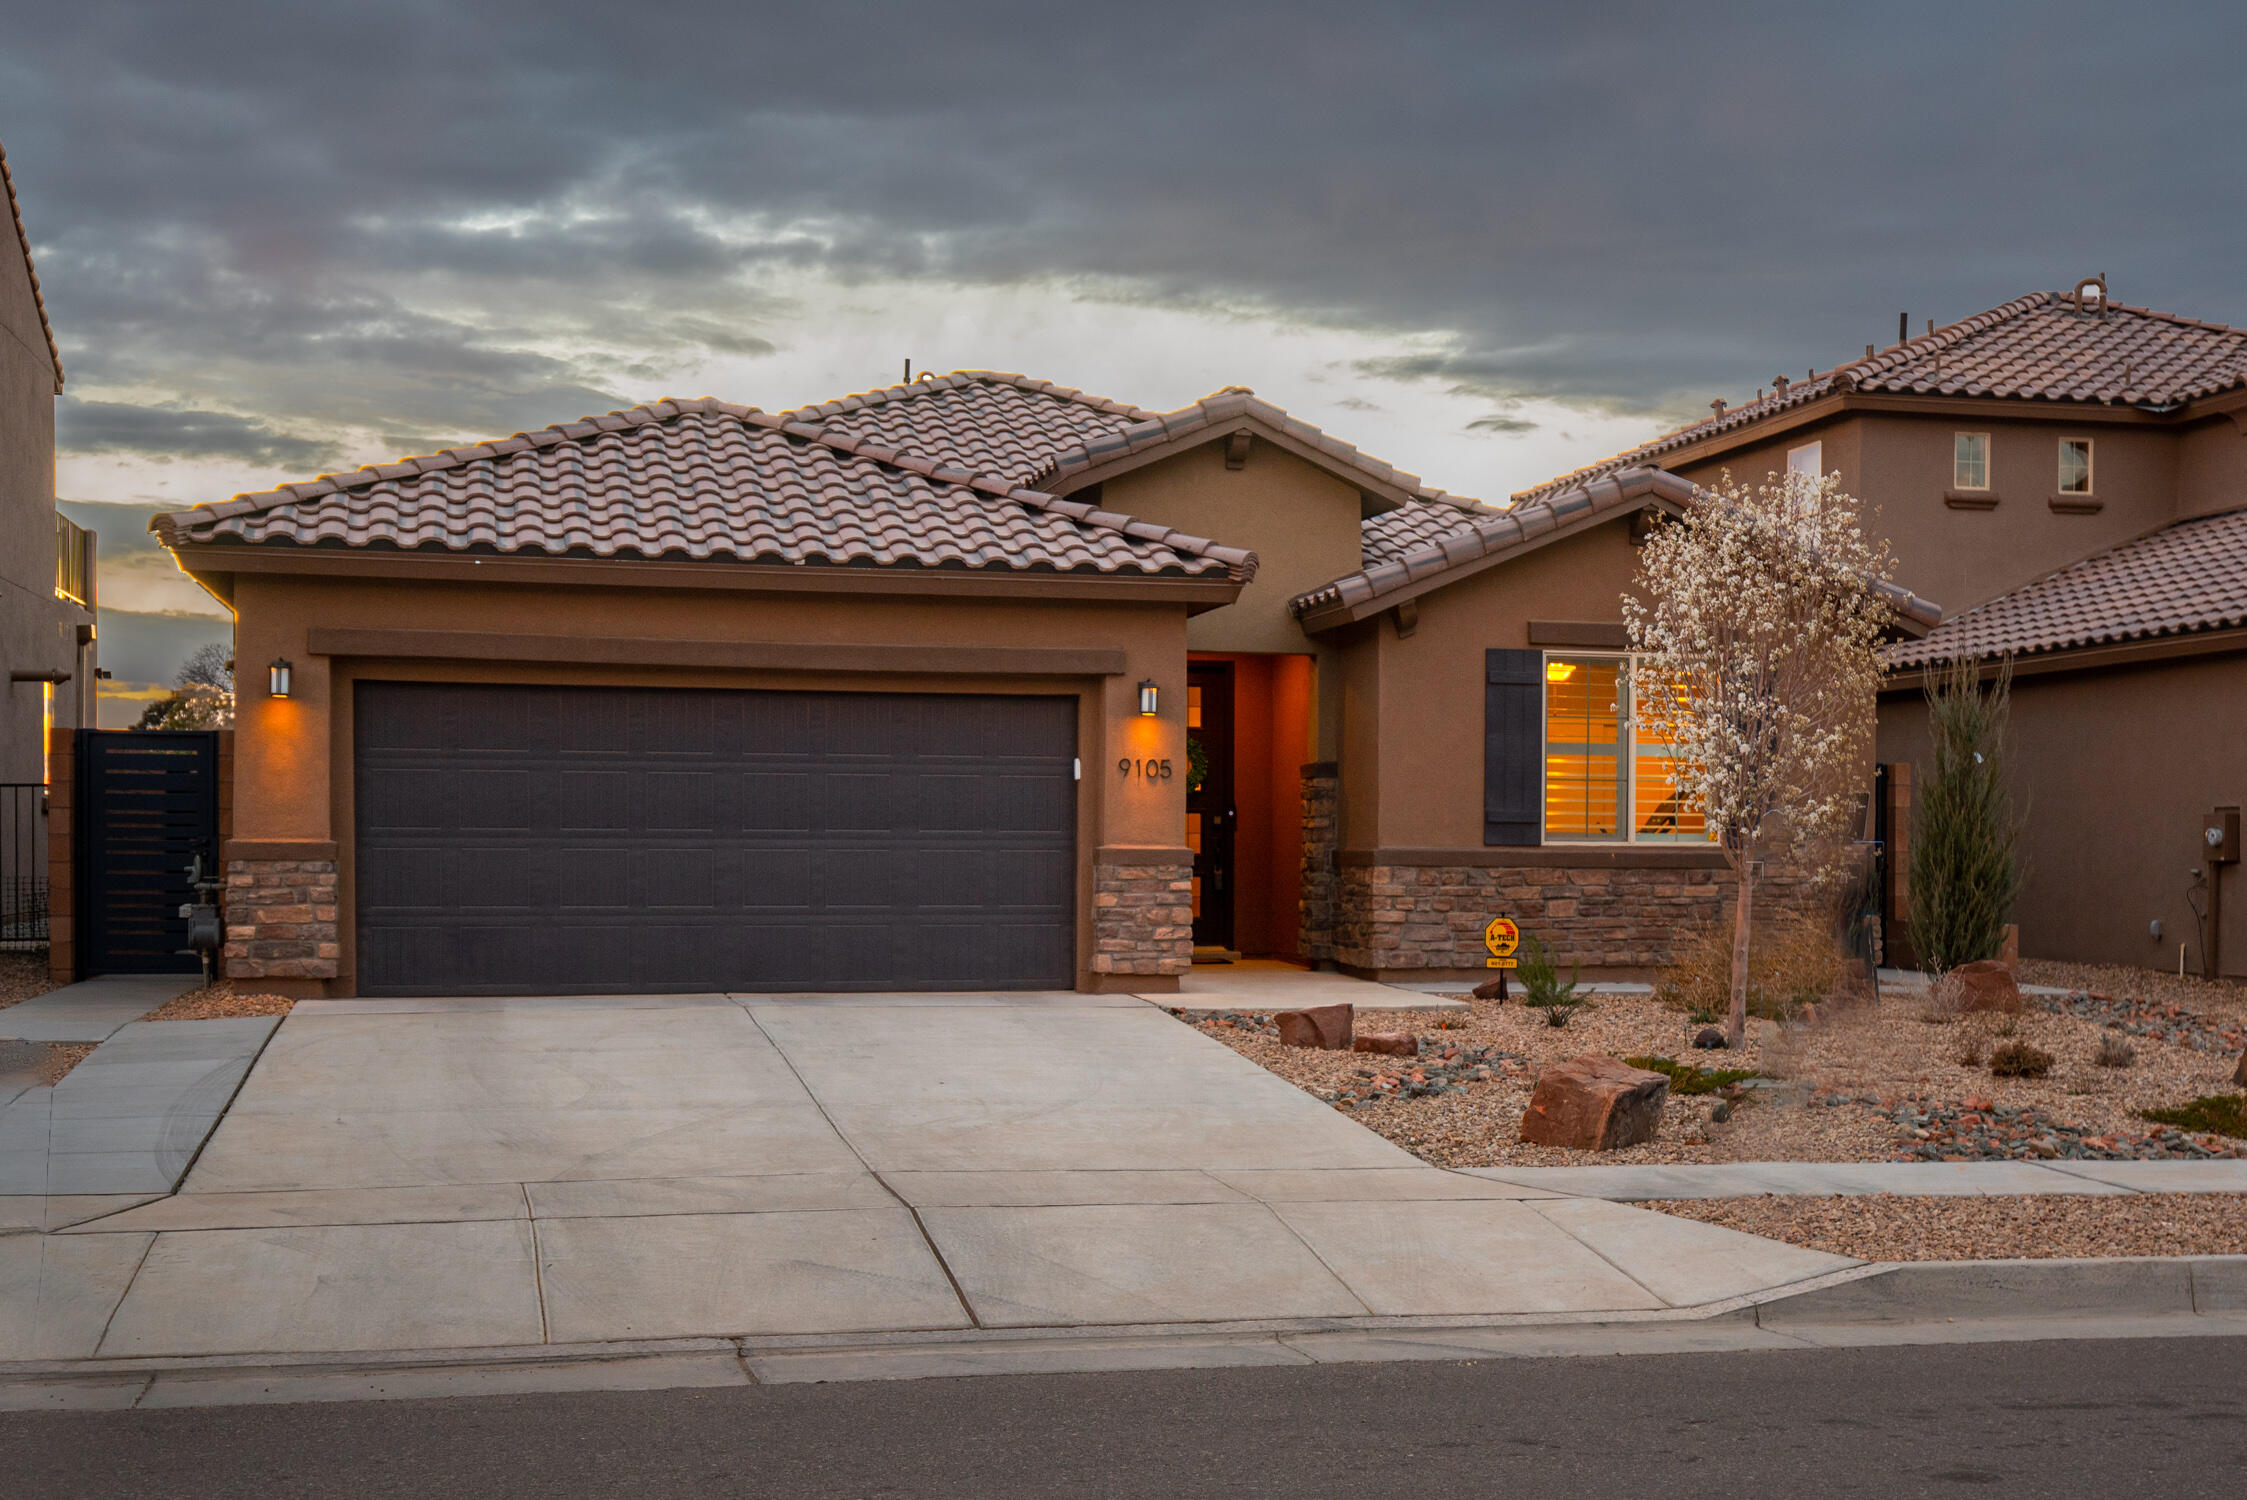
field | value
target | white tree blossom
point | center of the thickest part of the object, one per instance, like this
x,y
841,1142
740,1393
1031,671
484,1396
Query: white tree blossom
x,y
1759,619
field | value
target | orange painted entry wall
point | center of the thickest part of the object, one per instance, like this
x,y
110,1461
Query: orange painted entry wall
x,y
1272,729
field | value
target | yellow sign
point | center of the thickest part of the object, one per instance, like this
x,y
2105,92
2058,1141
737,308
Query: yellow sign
x,y
1501,937
1498,963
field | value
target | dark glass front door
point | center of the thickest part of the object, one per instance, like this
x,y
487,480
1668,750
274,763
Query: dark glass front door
x,y
1210,814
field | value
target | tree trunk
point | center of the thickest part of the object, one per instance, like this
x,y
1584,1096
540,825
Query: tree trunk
x,y
1736,1031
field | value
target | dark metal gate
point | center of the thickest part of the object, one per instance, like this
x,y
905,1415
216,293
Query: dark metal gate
x,y
23,866
147,805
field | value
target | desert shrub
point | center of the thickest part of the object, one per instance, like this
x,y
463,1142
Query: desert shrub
x,y
1964,870
2018,1059
2114,1051
1687,1079
1541,986
1973,1047
2218,1114
1794,959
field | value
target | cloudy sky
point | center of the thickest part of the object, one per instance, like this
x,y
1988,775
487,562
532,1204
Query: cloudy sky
x,y
1486,242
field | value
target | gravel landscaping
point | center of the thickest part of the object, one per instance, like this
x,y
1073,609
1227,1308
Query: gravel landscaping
x,y
2037,1227
1865,1081
219,1002
23,976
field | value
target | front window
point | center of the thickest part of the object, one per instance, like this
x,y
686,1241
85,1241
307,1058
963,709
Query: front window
x,y
2075,466
1607,779
1970,461
1809,460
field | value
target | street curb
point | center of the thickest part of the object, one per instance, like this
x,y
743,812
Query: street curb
x,y
1928,1302
1926,1291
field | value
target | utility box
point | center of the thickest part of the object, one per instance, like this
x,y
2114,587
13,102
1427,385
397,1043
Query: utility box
x,y
2222,836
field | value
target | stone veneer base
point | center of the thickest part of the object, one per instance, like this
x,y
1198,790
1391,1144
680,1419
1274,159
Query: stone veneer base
x,y
281,919
1431,917
1142,919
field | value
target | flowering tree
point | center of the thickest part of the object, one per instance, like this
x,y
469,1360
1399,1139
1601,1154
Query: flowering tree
x,y
1759,623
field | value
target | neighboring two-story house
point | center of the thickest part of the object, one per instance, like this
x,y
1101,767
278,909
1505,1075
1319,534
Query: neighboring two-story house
x,y
2067,476
46,583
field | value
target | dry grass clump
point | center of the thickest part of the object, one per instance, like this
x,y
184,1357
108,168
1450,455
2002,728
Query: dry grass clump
x,y
2019,1059
219,1002
1793,960
2114,1051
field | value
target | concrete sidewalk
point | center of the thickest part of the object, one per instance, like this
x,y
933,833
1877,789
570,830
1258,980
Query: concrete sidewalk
x,y
463,1175
1266,984
92,1010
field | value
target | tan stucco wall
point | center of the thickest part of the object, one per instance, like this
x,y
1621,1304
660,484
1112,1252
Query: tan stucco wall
x,y
2212,467
2112,772
293,774
1299,520
1427,785
1900,466
38,633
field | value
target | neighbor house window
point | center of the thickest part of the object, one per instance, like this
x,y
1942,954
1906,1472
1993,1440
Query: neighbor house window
x,y
1970,461
1606,778
2075,466
1809,459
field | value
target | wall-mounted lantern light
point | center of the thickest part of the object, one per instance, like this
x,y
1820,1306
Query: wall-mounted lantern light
x,y
1148,697
277,677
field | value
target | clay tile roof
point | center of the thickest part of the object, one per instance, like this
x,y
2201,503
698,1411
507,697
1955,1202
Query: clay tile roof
x,y
701,479
1497,534
2188,576
994,423
2041,347
1233,404
1391,534
23,240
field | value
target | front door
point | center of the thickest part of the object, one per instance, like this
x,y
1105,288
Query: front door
x,y
1210,814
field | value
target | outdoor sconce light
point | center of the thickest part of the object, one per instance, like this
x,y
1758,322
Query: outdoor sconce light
x,y
277,677
1148,697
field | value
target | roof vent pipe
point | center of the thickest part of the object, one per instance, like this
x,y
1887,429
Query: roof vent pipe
x,y
1903,326
1717,406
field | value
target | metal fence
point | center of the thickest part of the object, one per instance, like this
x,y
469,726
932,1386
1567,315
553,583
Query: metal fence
x,y
23,866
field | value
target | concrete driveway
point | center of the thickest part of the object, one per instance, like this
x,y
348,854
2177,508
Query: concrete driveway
x,y
460,1174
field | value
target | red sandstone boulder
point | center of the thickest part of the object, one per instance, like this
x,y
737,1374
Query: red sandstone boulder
x,y
1595,1103
2239,1074
1491,989
1394,1043
1323,1026
1986,984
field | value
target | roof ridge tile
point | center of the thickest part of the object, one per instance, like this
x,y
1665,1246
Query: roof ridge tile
x,y
23,243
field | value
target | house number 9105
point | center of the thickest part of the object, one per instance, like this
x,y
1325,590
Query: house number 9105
x,y
1150,770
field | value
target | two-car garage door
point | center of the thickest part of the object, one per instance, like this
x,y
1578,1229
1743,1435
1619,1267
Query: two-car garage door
x,y
542,840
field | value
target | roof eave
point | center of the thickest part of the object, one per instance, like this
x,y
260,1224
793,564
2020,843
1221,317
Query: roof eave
x,y
204,560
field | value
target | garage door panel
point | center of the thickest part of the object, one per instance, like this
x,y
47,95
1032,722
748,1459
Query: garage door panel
x,y
775,801
777,880
498,879
544,839
676,801
592,801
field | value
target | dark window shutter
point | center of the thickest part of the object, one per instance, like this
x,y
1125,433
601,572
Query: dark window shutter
x,y
1513,749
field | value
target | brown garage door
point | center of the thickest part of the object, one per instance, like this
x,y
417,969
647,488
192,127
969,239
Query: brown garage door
x,y
544,840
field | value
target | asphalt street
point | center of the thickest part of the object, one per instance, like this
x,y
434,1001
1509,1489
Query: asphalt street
x,y
2152,1418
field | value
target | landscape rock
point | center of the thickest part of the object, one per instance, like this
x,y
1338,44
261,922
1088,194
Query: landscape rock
x,y
1986,985
2239,1074
1394,1043
1595,1103
1491,989
1709,1039
1326,1027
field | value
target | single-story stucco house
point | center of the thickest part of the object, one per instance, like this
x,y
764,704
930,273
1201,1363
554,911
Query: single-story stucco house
x,y
971,682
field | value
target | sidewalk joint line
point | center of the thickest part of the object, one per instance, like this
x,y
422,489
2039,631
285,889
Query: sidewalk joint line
x,y
538,1272
851,1146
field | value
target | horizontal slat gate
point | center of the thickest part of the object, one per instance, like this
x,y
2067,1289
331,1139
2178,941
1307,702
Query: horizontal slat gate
x,y
148,804
537,840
